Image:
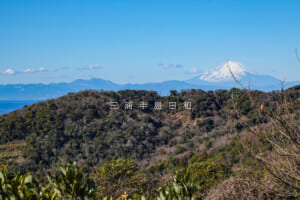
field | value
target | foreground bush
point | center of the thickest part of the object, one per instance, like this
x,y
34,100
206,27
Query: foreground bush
x,y
115,177
69,183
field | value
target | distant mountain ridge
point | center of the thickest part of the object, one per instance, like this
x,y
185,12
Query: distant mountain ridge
x,y
219,78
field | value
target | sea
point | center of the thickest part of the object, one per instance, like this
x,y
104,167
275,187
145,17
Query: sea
x,y
9,106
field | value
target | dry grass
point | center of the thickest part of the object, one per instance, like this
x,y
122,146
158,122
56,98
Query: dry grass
x,y
238,189
11,150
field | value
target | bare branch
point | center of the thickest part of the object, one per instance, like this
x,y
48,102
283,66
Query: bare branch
x,y
296,52
234,77
282,85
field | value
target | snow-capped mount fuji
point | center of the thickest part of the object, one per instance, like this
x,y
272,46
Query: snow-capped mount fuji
x,y
222,72
221,78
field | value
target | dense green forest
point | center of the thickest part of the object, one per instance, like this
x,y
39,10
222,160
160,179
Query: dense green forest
x,y
235,144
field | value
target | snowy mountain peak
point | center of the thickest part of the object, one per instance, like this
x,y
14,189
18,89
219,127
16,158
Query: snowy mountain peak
x,y
222,72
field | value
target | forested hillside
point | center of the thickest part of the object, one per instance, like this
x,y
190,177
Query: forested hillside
x,y
227,139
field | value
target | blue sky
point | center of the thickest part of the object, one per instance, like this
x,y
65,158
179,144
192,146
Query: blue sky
x,y
144,41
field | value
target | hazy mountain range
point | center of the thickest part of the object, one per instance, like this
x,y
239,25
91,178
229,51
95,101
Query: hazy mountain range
x,y
219,78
